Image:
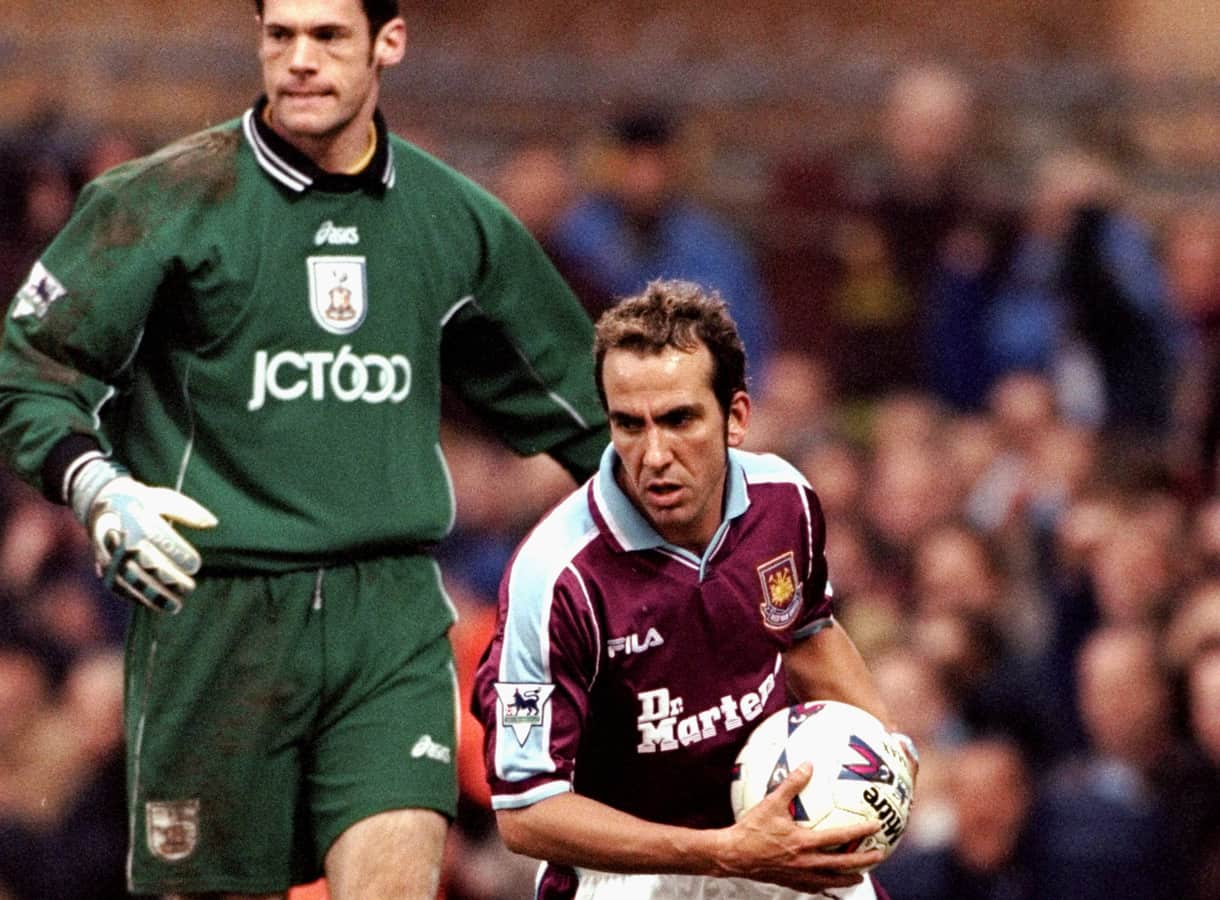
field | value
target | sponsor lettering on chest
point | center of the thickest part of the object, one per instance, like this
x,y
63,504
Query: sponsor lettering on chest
x,y
323,374
664,723
339,304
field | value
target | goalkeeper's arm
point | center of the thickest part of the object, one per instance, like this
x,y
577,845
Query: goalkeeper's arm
x,y
138,552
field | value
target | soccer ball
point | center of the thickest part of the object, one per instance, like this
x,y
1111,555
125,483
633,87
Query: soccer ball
x,y
859,771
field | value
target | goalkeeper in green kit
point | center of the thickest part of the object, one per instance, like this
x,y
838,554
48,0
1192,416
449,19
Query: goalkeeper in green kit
x,y
229,364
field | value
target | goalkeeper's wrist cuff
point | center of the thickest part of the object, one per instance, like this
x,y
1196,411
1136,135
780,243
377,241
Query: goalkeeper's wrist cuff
x,y
86,480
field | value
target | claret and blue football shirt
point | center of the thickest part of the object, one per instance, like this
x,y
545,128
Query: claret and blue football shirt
x,y
629,669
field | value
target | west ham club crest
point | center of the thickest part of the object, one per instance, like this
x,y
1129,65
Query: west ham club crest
x,y
781,589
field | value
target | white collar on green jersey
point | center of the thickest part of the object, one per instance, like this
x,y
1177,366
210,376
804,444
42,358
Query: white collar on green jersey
x,y
294,170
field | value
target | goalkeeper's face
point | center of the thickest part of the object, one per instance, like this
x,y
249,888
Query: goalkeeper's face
x,y
320,71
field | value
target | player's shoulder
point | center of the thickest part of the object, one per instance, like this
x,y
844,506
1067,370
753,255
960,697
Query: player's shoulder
x,y
557,539
423,171
204,158
768,468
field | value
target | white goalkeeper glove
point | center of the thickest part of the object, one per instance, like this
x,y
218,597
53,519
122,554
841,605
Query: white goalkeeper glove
x,y
137,551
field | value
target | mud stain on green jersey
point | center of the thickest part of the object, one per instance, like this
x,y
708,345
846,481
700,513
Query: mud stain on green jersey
x,y
199,170
122,228
56,372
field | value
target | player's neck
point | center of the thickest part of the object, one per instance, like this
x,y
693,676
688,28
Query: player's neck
x,y
347,153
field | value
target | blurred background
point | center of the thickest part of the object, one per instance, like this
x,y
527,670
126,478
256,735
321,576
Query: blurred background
x,y
974,248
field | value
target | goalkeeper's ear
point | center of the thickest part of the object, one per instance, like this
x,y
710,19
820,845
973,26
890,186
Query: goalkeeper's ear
x,y
390,44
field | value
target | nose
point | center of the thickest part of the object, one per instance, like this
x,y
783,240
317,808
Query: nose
x,y
657,454
304,55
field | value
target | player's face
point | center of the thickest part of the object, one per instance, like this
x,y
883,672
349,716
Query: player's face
x,y
320,70
672,439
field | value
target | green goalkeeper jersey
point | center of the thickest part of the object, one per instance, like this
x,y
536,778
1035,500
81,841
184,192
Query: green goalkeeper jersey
x,y
272,340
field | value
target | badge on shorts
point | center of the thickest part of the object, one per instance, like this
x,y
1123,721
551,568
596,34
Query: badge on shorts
x,y
522,706
173,828
781,591
338,297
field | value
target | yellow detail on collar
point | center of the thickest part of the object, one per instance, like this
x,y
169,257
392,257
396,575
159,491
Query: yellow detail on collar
x,y
359,165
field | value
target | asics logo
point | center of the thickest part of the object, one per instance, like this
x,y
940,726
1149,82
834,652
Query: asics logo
x,y
330,233
425,746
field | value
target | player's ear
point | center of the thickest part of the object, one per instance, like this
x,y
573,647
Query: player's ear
x,y
390,44
739,419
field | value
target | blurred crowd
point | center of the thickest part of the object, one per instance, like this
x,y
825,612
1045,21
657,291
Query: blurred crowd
x,y
1007,396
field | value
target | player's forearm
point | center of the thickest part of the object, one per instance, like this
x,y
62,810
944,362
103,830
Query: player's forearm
x,y
577,831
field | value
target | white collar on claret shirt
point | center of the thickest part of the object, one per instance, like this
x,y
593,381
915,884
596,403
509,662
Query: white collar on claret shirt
x,y
629,527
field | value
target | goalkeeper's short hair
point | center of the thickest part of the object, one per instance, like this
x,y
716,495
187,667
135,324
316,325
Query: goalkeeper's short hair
x,y
378,12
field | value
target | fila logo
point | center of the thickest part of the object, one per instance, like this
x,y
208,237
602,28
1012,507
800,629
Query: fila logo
x,y
330,233
633,643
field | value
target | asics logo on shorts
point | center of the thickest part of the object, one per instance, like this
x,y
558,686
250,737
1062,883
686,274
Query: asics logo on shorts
x,y
425,746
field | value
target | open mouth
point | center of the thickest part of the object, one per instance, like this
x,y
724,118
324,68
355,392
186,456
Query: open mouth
x,y
663,494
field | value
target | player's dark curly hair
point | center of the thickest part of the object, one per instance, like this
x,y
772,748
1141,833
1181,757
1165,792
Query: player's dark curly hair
x,y
678,314
378,12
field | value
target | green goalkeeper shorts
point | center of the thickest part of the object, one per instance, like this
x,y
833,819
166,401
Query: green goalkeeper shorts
x,y
275,711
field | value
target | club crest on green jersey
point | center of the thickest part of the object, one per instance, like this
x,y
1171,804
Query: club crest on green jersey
x,y
338,295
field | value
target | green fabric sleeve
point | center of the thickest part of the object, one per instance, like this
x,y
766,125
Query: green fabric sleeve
x,y
72,329
520,354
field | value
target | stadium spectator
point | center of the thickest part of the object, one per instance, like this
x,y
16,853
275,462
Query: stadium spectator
x,y
41,190
906,494
926,219
62,822
792,412
1102,827
836,467
1083,301
1195,782
1192,270
991,789
996,688
537,184
925,706
640,221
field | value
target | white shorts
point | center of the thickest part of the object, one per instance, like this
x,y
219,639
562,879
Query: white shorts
x,y
610,886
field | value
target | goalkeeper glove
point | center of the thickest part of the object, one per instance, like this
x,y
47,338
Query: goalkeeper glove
x,y
138,552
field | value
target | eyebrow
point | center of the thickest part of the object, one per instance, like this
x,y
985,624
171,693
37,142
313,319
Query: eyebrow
x,y
668,415
308,27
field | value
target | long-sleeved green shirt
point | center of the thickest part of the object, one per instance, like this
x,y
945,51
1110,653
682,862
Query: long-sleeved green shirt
x,y
270,339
